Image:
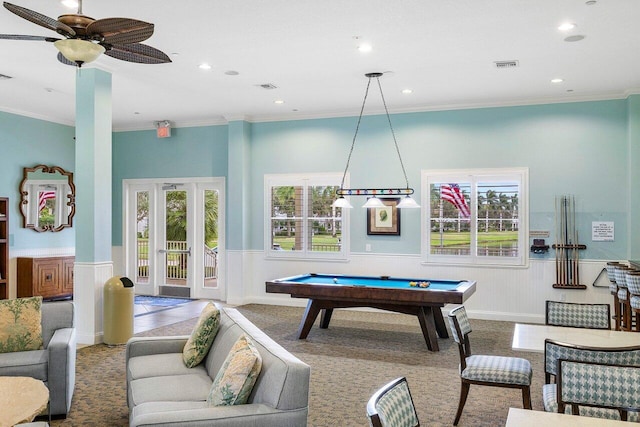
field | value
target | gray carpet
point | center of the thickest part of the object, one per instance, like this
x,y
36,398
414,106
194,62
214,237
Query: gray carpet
x,y
357,354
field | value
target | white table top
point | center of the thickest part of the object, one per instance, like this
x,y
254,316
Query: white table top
x,y
527,418
531,337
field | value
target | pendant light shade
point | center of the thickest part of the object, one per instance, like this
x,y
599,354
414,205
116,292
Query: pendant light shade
x,y
407,202
374,202
341,202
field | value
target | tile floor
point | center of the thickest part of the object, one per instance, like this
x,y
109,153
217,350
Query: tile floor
x,y
151,317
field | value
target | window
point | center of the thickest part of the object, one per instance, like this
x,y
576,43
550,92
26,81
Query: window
x,y
302,222
476,216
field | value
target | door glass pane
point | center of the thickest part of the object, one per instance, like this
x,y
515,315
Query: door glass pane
x,y
497,226
142,233
286,218
450,218
325,221
176,237
210,238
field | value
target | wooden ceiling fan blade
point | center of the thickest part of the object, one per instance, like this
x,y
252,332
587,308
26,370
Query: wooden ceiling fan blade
x,y
40,19
117,31
64,60
30,38
137,52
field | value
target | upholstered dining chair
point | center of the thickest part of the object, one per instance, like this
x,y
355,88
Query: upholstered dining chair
x,y
617,390
488,370
633,287
578,315
392,406
554,351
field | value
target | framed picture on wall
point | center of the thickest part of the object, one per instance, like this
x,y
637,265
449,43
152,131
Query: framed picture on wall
x,y
384,220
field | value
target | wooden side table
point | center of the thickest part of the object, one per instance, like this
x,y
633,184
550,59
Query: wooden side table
x,y
21,400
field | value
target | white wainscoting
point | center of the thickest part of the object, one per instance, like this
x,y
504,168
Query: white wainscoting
x,y
510,294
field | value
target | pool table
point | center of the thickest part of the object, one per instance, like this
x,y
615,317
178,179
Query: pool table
x,y
423,298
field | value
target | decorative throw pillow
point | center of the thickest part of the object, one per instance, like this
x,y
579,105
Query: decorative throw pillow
x,y
20,324
238,374
202,336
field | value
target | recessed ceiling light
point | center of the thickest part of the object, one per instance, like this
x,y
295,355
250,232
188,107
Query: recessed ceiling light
x,y
567,26
71,4
591,2
365,47
278,101
556,80
204,66
231,73
574,38
407,91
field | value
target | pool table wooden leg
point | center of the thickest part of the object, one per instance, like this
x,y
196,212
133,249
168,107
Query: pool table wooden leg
x,y
309,316
426,319
325,318
441,327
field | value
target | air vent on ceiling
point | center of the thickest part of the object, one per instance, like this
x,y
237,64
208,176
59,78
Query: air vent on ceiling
x,y
506,64
267,86
5,77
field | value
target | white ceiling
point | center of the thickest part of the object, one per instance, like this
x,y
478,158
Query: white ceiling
x,y
442,49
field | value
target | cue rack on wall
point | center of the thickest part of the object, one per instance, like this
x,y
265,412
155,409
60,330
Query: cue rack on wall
x,y
567,247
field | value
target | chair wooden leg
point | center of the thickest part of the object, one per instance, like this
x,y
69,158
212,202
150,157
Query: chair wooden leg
x,y
526,397
616,311
464,392
625,324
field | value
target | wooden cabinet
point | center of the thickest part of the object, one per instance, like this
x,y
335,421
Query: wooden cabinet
x,y
49,277
4,247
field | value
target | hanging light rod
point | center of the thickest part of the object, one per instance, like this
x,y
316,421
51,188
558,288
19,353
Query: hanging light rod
x,y
373,193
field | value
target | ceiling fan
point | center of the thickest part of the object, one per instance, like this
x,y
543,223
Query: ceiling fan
x,y
87,38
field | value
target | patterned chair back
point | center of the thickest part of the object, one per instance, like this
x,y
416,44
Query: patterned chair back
x,y
392,406
594,316
618,387
554,351
460,325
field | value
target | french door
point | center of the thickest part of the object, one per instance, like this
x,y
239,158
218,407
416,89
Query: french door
x,y
174,236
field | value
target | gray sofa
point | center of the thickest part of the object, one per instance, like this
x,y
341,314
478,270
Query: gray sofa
x,y
162,391
55,364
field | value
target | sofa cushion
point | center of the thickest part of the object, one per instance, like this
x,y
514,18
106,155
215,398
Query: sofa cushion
x,y
238,374
20,324
171,388
202,336
25,364
157,365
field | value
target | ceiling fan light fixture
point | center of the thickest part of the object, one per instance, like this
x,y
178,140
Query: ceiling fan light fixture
x,y
79,51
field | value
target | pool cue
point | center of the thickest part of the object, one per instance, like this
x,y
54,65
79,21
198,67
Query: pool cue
x,y
575,242
555,220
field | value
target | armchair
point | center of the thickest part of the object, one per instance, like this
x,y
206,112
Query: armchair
x,y
55,363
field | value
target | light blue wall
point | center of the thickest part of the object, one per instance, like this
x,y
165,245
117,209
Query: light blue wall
x,y
584,149
189,152
27,142
575,148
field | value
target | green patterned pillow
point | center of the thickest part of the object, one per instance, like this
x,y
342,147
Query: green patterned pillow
x,y
238,374
20,324
202,336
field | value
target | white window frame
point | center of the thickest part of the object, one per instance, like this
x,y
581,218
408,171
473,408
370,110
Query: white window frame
x,y
474,176
306,181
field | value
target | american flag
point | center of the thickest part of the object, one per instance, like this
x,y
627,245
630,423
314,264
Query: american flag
x,y
43,196
452,194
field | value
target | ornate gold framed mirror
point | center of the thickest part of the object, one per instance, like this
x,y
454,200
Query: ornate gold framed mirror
x,y
47,198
